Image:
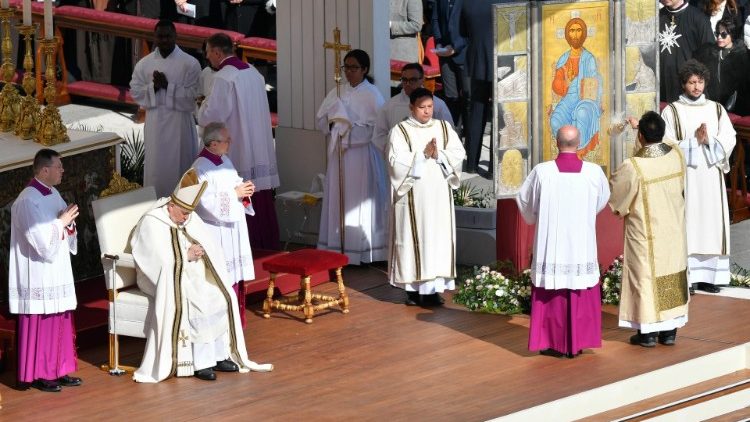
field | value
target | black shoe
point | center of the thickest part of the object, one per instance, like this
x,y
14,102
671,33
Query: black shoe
x,y
552,352
573,355
226,366
431,300
644,340
67,381
667,338
412,299
48,386
692,290
708,287
207,374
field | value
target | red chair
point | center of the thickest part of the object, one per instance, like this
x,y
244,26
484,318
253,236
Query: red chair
x,y
305,263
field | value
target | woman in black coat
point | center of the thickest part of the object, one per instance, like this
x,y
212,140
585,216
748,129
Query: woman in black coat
x,y
728,61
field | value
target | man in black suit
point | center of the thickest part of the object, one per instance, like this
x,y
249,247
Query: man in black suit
x,y
450,46
477,20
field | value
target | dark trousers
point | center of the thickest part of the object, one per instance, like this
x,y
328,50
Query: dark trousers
x,y
456,91
481,106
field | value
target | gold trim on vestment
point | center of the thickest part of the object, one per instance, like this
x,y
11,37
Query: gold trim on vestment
x,y
177,269
653,150
414,234
671,291
647,219
677,125
667,177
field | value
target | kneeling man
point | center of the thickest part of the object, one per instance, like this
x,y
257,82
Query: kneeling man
x,y
193,325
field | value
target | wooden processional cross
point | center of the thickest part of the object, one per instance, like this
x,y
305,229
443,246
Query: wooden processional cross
x,y
337,48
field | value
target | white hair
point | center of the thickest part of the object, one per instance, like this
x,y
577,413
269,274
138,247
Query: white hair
x,y
212,132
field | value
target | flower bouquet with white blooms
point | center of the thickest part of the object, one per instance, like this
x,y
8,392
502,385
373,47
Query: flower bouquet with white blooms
x,y
487,289
611,282
740,277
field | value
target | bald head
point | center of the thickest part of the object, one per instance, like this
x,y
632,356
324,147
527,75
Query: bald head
x,y
568,139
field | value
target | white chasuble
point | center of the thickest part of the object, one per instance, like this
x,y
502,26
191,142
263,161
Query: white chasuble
x,y
40,277
348,121
647,191
169,135
423,241
564,207
706,208
190,302
224,215
396,110
238,99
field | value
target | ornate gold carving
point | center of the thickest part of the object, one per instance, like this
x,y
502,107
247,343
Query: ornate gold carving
x,y
9,98
671,291
118,184
512,168
28,115
51,129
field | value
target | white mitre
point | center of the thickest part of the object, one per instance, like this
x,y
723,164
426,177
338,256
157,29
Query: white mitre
x,y
188,192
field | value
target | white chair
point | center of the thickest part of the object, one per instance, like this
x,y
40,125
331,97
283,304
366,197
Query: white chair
x,y
116,216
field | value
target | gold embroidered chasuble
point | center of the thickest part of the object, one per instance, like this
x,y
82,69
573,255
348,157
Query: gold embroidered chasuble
x,y
647,190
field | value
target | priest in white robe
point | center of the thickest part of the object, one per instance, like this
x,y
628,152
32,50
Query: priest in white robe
x,y
165,83
238,99
705,135
424,157
562,198
193,324
647,190
40,279
223,206
396,109
348,121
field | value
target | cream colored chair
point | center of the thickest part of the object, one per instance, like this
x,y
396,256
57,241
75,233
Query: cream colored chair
x,y
116,216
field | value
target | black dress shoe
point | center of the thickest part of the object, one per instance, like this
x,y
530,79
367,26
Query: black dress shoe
x,y
692,290
48,386
644,340
552,352
667,338
226,366
431,300
207,374
67,381
708,287
412,299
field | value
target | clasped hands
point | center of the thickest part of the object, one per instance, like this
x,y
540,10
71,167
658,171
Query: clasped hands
x,y
68,215
701,134
245,189
431,151
195,252
160,81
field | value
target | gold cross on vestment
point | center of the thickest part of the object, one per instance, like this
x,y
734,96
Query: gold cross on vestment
x,y
337,48
183,338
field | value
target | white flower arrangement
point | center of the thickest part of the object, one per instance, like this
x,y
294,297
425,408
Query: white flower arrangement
x,y
739,277
489,290
612,282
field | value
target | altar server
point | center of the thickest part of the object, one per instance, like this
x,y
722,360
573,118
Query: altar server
x,y
356,165
165,83
194,326
424,157
238,99
223,206
562,198
41,291
706,137
647,191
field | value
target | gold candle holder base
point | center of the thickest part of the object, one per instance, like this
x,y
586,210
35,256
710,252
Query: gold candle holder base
x,y
51,130
30,111
9,97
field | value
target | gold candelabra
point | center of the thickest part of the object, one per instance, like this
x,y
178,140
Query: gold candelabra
x,y
28,116
51,130
9,97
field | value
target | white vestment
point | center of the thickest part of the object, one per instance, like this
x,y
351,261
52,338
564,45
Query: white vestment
x,y
224,216
706,209
564,207
40,277
192,307
169,135
349,121
238,99
396,110
423,249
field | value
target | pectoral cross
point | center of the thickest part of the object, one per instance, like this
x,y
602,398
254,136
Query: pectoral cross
x,y
337,48
183,338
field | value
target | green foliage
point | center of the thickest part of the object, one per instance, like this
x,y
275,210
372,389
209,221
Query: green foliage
x,y
612,282
468,195
487,289
132,153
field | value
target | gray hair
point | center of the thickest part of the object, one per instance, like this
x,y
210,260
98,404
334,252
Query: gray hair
x,y
212,132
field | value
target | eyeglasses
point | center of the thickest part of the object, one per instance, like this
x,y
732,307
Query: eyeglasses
x,y
722,34
350,67
410,80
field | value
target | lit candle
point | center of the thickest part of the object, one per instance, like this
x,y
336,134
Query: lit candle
x,y
48,19
27,12
4,4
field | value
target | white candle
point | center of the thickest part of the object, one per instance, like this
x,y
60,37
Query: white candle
x,y
48,34
27,12
4,4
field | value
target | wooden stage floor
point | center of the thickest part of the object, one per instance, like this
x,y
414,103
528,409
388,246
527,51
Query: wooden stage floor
x,y
382,361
